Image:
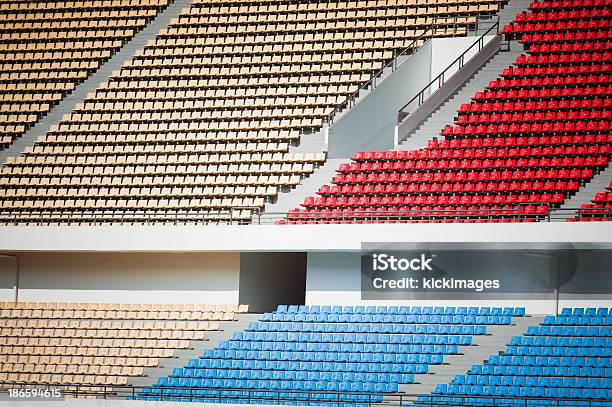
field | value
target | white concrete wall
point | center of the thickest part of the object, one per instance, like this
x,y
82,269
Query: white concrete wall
x,y
297,238
445,50
335,279
210,278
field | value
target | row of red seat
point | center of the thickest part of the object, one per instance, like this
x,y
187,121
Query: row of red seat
x,y
543,93
578,46
548,82
406,169
568,58
532,106
569,36
568,4
572,14
421,200
528,128
510,141
558,26
538,116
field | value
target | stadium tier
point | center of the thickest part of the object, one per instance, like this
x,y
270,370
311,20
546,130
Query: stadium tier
x,y
599,210
201,119
567,357
316,353
522,146
70,344
49,47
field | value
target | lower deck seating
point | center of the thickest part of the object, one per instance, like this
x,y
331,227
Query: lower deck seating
x,y
94,344
327,354
567,359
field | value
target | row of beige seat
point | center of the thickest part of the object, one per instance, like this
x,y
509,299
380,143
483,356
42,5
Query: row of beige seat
x,y
59,379
71,369
99,334
125,352
113,216
76,15
212,103
202,169
66,141
43,56
104,306
145,192
129,180
118,314
74,39
197,85
81,360
216,7
96,343
53,6
25,48
134,204
185,153
338,19
149,97
143,324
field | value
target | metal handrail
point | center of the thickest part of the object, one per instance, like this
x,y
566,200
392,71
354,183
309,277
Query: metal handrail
x,y
441,78
259,217
331,398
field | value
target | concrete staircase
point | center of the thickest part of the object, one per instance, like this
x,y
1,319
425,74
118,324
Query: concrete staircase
x,y
311,143
482,347
584,195
294,197
510,10
66,105
445,113
181,357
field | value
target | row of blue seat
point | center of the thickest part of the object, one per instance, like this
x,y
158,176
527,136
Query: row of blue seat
x,y
390,318
506,402
525,391
574,320
258,396
368,328
561,341
341,337
310,399
559,351
584,382
308,366
307,385
588,312
255,374
549,361
218,354
405,310
338,347
578,331
564,371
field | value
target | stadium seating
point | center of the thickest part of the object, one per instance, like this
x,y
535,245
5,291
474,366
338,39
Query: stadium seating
x,y
96,344
567,357
599,210
48,47
521,147
202,118
315,352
